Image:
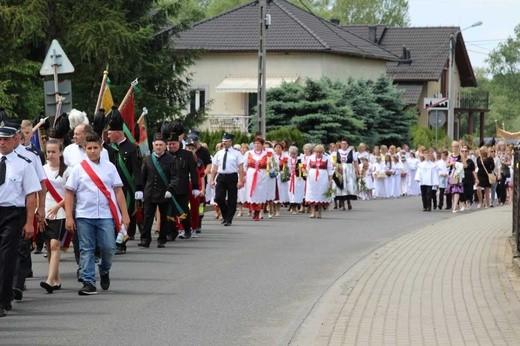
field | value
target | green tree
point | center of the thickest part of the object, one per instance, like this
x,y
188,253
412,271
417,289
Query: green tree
x,y
504,86
133,38
394,124
389,12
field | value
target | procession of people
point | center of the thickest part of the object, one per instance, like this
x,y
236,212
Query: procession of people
x,y
99,192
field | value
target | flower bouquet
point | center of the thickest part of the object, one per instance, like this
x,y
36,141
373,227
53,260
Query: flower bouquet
x,y
329,193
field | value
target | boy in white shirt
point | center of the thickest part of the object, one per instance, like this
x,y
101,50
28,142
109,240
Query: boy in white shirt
x,y
428,176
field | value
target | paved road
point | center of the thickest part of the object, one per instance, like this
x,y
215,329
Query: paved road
x,y
249,284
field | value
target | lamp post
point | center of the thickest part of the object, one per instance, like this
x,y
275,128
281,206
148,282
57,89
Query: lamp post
x,y
451,90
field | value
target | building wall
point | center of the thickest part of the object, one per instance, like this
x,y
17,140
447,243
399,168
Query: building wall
x,y
211,69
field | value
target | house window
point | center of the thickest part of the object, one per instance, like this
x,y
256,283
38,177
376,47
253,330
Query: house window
x,y
198,100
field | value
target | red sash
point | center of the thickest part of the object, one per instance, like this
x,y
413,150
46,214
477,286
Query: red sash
x,y
65,243
97,181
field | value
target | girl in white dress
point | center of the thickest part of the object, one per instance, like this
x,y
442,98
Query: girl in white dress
x,y
414,188
396,177
319,181
379,174
242,193
272,169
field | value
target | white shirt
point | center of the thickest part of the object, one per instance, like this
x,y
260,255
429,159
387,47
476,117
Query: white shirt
x,y
90,202
427,173
74,154
233,160
58,182
35,161
20,181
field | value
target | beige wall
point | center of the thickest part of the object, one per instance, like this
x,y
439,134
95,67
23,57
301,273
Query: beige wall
x,y
211,69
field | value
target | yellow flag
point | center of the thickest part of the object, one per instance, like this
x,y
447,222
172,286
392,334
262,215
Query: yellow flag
x,y
107,102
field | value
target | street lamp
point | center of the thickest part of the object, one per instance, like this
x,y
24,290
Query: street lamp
x,y
451,91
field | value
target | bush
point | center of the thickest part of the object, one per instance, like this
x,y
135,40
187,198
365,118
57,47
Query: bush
x,y
425,136
214,137
290,134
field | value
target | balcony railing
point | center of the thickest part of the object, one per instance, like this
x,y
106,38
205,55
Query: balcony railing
x,y
473,100
227,122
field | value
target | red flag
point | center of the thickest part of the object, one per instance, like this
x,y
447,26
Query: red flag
x,y
127,112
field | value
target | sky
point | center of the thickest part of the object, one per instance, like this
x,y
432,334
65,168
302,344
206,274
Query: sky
x,y
499,18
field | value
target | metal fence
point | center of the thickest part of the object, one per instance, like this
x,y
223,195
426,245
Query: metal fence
x,y
516,198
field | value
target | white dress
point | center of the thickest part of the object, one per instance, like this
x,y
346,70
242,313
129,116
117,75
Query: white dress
x,y
256,176
296,185
414,189
283,187
271,181
318,173
380,180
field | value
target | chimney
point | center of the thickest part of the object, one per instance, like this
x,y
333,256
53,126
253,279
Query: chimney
x,y
335,21
406,57
372,33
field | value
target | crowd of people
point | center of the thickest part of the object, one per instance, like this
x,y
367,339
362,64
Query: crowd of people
x,y
98,190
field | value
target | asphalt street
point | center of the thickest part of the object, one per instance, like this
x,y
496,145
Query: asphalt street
x,y
249,284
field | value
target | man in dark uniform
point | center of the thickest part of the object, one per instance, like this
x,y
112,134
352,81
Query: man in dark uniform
x,y
156,175
127,159
18,186
183,170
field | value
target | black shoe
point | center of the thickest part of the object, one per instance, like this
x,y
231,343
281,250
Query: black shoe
x,y
38,250
198,230
144,244
3,312
227,224
160,245
120,251
47,287
56,287
105,282
428,209
187,235
223,221
30,274
131,238
87,290
17,293
78,275
349,207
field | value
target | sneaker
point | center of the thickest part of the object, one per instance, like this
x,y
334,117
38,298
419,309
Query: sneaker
x,y
87,290
182,235
194,235
462,208
105,282
38,250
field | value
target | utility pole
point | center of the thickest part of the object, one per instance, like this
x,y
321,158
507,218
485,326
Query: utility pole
x,y
261,66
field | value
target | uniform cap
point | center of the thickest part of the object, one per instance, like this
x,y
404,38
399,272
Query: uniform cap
x,y
227,137
6,131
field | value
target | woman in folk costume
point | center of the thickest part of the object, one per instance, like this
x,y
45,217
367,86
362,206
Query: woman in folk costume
x,y
319,181
272,170
282,179
308,148
296,184
242,192
413,186
257,176
379,174
347,165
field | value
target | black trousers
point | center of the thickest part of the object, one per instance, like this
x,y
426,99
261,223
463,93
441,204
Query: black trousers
x,y
149,215
11,222
226,185
426,194
502,190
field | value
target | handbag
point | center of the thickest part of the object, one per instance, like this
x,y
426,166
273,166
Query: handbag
x,y
491,176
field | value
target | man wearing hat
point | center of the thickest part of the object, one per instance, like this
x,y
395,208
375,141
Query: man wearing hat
x,y
127,158
18,187
227,176
183,171
156,175
24,265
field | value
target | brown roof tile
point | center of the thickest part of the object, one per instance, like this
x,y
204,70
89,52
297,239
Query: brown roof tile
x,y
292,29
